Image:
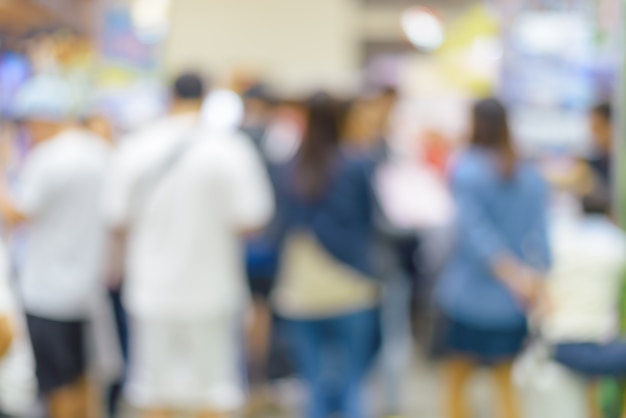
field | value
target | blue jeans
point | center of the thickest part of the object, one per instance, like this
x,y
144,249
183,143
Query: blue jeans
x,y
594,360
333,356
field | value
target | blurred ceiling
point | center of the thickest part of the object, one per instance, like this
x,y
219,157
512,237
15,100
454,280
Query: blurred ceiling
x,y
408,3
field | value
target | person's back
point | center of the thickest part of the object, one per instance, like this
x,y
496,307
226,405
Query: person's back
x,y
333,235
185,254
585,282
60,189
185,196
58,197
495,269
584,291
325,292
496,215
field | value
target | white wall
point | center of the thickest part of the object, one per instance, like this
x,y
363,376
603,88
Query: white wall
x,y
296,44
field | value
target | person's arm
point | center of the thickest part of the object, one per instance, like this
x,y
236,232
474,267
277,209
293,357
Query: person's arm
x,y
6,334
118,188
117,210
32,192
8,210
252,202
486,241
477,228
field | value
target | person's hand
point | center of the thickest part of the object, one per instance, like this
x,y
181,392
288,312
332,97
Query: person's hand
x,y
529,290
525,283
8,211
544,305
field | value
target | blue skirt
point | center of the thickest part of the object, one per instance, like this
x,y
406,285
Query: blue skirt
x,y
481,345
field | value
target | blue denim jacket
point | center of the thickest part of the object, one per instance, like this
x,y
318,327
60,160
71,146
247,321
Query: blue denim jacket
x,y
496,216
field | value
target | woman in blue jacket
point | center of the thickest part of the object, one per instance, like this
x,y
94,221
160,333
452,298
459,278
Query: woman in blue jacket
x,y
325,291
494,273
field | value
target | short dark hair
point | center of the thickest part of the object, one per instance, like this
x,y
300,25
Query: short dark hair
x,y
188,86
260,92
597,202
605,110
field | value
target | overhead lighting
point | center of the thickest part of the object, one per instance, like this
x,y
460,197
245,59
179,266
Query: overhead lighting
x,y
423,28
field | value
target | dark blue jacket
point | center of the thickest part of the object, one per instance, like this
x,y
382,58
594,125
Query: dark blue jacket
x,y
341,219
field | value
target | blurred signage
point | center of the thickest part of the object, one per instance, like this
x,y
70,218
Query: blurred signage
x,y
552,76
120,43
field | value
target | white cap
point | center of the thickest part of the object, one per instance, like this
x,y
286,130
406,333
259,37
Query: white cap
x,y
222,111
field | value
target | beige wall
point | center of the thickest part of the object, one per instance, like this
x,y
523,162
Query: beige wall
x,y
298,45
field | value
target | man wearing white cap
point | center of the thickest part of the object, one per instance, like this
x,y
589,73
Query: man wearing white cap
x,y
58,196
185,192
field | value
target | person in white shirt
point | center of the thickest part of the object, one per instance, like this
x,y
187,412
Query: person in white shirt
x,y
584,290
185,195
58,196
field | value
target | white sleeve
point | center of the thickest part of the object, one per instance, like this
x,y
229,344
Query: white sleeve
x,y
251,196
7,300
34,185
118,189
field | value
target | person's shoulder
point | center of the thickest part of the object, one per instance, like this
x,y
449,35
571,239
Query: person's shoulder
x,y
612,232
48,153
140,143
590,232
473,162
472,167
358,160
531,173
224,144
145,134
532,181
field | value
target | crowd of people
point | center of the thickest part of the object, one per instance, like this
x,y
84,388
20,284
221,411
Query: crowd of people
x,y
168,263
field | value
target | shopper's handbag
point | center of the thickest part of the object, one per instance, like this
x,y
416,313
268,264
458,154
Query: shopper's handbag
x,y
548,389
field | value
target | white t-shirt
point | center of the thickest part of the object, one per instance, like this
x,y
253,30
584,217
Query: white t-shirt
x,y
185,257
60,189
585,282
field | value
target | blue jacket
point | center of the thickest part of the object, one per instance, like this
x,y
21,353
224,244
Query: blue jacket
x,y
496,216
341,219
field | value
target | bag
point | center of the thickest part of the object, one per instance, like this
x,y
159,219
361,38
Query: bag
x,y
18,384
548,389
412,197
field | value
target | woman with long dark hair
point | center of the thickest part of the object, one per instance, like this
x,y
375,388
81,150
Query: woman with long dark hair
x,y
494,273
325,292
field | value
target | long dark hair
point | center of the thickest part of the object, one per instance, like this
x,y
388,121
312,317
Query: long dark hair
x,y
491,131
320,147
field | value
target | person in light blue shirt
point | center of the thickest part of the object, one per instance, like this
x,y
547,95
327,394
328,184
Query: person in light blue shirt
x,y
494,272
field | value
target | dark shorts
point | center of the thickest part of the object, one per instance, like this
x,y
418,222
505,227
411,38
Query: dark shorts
x,y
59,349
485,346
262,261
261,287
